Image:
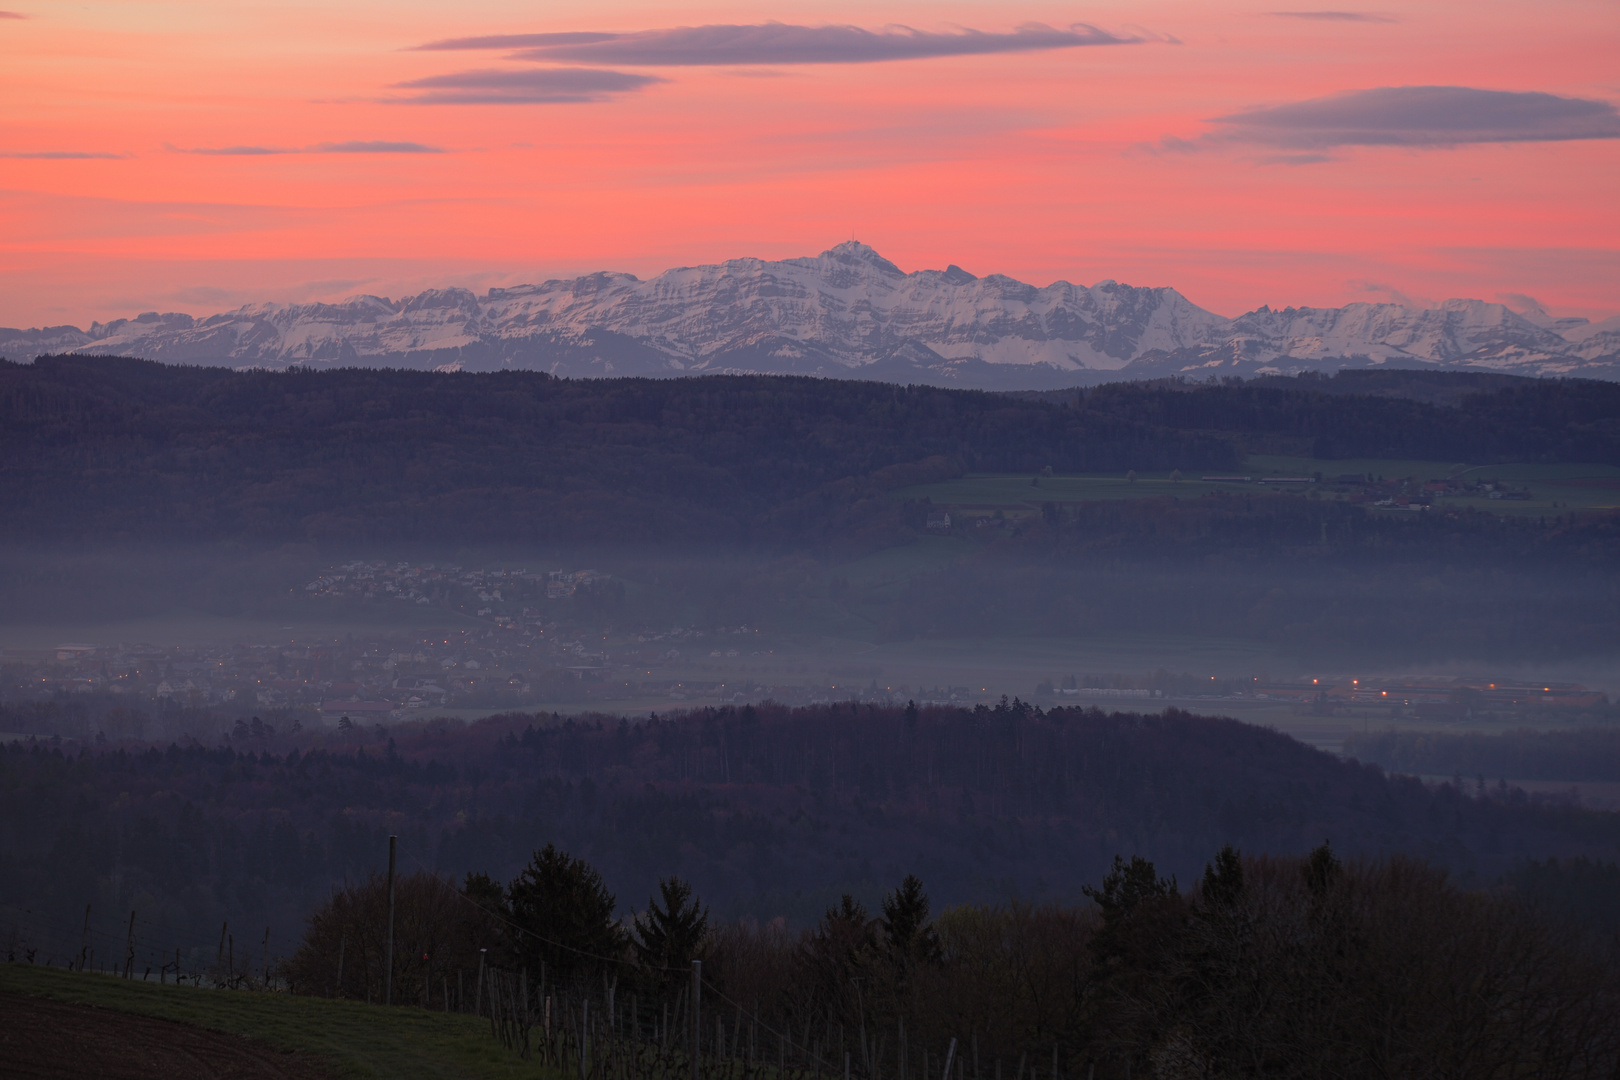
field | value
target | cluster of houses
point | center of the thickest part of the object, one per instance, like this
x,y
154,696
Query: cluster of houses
x,y
334,677
508,596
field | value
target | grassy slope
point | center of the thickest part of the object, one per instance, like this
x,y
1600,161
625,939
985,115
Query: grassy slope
x,y
362,1041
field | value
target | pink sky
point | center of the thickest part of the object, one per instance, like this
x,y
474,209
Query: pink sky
x,y
1082,163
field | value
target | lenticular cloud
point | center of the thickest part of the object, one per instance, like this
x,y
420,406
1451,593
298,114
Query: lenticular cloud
x,y
544,86
1422,116
781,43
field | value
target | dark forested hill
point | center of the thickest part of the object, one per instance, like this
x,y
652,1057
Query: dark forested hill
x,y
768,811
112,449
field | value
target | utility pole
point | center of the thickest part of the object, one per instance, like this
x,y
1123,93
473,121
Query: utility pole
x,y
388,948
697,1027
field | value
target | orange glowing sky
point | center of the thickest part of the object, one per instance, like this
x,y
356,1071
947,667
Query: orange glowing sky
x,y
1101,161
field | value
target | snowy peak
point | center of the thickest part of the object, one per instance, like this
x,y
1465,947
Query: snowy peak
x,y
846,312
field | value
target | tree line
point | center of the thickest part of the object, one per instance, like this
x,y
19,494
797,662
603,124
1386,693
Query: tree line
x,y
1302,966
767,810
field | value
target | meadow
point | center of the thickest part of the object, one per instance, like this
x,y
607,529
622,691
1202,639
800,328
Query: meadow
x,y
349,1038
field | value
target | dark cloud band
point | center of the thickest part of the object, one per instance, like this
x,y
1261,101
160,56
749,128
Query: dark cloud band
x,y
352,147
782,43
545,86
1420,116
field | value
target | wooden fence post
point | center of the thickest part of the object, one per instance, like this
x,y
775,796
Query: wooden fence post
x,y
388,947
129,951
697,1029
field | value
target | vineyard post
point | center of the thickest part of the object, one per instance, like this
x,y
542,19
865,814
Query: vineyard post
x,y
524,979
697,1030
84,940
129,950
949,1054
388,945
343,945
267,958
478,994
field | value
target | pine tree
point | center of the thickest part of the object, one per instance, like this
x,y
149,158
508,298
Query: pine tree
x,y
905,922
668,938
565,913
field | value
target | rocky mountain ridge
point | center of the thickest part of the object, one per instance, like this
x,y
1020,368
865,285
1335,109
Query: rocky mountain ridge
x,y
850,313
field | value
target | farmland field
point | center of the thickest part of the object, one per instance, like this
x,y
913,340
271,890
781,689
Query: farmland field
x,y
1551,487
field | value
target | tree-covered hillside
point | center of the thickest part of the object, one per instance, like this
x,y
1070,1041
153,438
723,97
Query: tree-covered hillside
x,y
99,449
767,811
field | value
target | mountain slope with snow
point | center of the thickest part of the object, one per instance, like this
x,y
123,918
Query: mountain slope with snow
x,y
847,312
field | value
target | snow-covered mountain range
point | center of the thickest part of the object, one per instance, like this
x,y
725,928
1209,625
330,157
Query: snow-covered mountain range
x,y
847,312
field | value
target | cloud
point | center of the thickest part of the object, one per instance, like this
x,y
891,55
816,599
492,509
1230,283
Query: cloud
x,y
352,147
12,15
62,155
1522,303
357,147
1389,292
545,86
1334,16
783,43
1418,116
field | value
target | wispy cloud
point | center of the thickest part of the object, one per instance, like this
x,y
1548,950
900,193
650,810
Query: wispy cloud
x,y
374,147
352,147
547,86
1410,116
12,15
1377,288
1334,16
784,43
1522,303
61,155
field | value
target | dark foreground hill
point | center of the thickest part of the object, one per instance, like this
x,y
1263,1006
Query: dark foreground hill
x,y
768,811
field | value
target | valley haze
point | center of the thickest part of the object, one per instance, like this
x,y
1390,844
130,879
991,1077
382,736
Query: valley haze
x,y
848,313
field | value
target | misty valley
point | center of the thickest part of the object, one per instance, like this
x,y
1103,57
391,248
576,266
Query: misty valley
x,y
771,727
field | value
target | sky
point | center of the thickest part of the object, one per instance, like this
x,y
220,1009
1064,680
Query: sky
x,y
187,156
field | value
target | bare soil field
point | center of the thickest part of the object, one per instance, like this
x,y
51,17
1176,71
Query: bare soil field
x,y
48,1039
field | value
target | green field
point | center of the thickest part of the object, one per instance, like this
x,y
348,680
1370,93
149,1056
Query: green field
x,y
1552,488
353,1039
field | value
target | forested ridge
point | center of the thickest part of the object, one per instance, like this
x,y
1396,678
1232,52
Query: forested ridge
x,y
108,449
172,452
767,810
